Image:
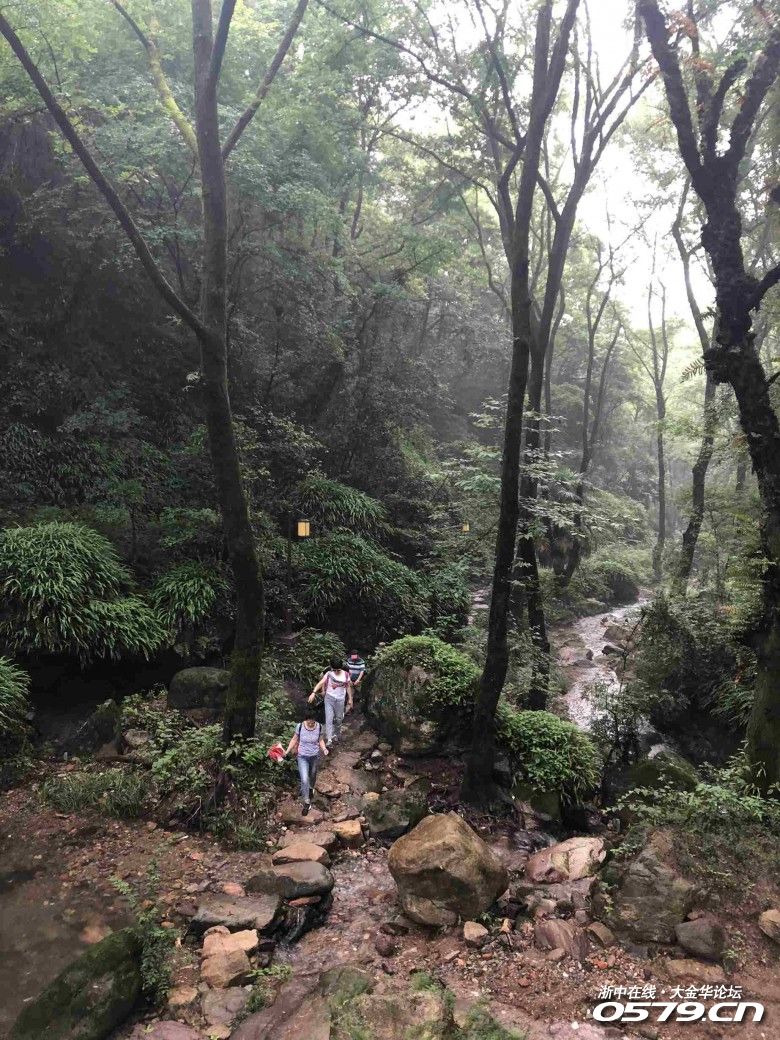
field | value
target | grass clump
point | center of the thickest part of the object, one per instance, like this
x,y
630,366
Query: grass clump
x,y
157,943
121,793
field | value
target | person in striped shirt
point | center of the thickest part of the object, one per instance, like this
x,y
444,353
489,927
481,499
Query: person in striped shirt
x,y
356,667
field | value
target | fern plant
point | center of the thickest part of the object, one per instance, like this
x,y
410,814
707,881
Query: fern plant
x,y
187,593
65,592
14,705
337,505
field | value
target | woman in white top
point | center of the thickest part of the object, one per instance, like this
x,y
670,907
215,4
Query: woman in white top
x,y
337,686
307,743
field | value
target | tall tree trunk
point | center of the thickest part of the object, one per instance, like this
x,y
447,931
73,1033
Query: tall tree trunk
x,y
660,542
241,705
698,480
527,569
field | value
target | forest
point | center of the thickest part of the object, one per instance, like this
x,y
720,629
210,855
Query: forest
x,y
389,519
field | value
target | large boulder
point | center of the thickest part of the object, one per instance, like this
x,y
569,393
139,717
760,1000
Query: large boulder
x,y
204,688
703,937
567,861
652,898
392,813
420,693
444,870
665,767
769,923
237,913
91,997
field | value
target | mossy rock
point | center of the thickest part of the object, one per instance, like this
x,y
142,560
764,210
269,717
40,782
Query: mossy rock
x,y
393,813
91,997
548,803
420,694
200,687
664,768
344,983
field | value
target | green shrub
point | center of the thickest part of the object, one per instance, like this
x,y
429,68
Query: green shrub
x,y
187,593
450,599
454,676
550,753
157,943
725,833
310,656
14,706
335,505
121,793
65,591
349,577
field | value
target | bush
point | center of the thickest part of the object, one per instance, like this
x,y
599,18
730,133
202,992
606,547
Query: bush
x,y
65,592
453,675
337,505
548,752
725,834
14,706
450,600
187,593
310,655
157,943
349,577
120,793
693,663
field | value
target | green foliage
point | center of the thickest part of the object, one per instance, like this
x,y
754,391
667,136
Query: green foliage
x,y
157,943
14,706
265,982
187,593
725,833
310,655
549,753
335,505
63,586
453,676
122,793
450,598
347,573
691,658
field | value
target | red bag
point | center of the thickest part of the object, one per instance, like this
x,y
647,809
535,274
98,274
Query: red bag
x,y
276,752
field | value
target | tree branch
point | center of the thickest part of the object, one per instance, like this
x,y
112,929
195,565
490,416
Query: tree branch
x,y
220,43
160,80
770,279
764,75
249,113
101,181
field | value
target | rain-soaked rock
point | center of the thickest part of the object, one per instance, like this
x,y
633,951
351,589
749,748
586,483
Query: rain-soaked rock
x,y
238,912
91,997
326,839
199,688
568,861
444,870
301,852
220,1006
553,934
703,937
392,813
293,880
349,832
651,898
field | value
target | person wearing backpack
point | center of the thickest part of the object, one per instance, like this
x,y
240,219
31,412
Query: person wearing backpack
x,y
307,743
336,686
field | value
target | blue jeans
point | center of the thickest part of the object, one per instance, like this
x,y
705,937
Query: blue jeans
x,y
307,769
334,716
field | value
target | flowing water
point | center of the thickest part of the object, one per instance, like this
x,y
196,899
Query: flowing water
x,y
581,658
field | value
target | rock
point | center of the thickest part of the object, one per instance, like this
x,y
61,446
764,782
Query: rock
x,y
237,913
199,688
232,888
385,945
298,1011
475,934
602,935
225,968
326,839
444,870
215,942
652,898
568,861
687,968
703,937
395,926
554,934
181,996
769,923
554,956
304,879
165,1031
91,997
220,1006
345,982
349,832
617,634
393,813
545,804
302,852
425,1015
290,812
664,767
